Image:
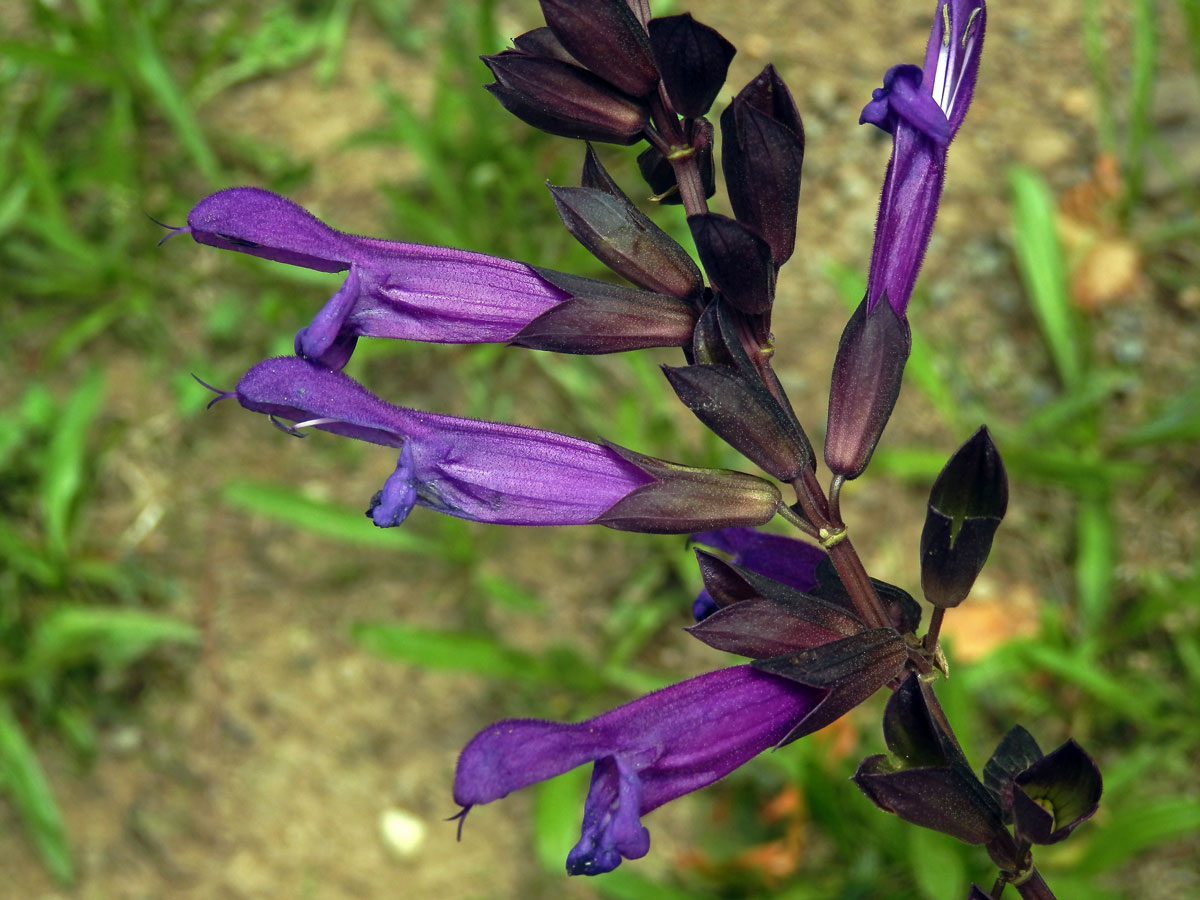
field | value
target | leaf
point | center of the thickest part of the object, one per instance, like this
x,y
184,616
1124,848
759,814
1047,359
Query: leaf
x,y
936,865
326,519
454,650
25,782
1140,826
1043,269
557,812
1177,420
66,460
112,637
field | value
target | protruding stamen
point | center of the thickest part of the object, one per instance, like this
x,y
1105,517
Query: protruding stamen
x,y
946,24
294,430
221,395
173,230
461,817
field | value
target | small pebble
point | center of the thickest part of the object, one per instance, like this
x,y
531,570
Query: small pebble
x,y
403,833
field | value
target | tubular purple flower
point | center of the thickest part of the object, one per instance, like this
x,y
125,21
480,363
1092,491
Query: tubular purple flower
x,y
401,290
484,471
646,753
922,110
502,474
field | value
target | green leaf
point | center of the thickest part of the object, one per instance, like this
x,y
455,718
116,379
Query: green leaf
x,y
626,884
1140,826
507,592
557,812
25,782
112,637
1177,420
326,519
936,864
1141,97
152,70
66,459
454,650
1044,272
1095,559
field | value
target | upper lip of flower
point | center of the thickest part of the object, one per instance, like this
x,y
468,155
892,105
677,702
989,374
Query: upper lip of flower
x,y
952,57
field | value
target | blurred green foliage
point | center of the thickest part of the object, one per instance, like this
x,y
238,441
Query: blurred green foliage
x,y
103,104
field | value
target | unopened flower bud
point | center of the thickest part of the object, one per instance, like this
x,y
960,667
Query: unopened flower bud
x,y
737,260
693,59
966,504
683,499
866,382
602,218
742,412
605,36
762,155
563,99
601,317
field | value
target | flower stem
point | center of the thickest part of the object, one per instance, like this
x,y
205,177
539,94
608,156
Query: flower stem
x,y
1034,887
935,628
832,533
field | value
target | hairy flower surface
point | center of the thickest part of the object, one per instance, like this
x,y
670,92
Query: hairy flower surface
x,y
414,291
503,474
645,753
485,471
922,110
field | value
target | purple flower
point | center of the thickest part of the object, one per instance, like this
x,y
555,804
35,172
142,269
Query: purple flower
x,y
646,753
485,471
784,559
417,292
922,110
503,474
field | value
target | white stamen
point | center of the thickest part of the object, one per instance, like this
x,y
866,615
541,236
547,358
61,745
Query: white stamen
x,y
294,430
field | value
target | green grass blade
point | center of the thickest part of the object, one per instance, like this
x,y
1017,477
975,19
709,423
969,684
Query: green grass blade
x,y
1095,560
1141,98
454,650
625,884
66,461
112,637
1137,828
1139,702
1096,47
22,778
1178,420
21,555
936,864
1190,10
1044,273
157,79
326,519
557,811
